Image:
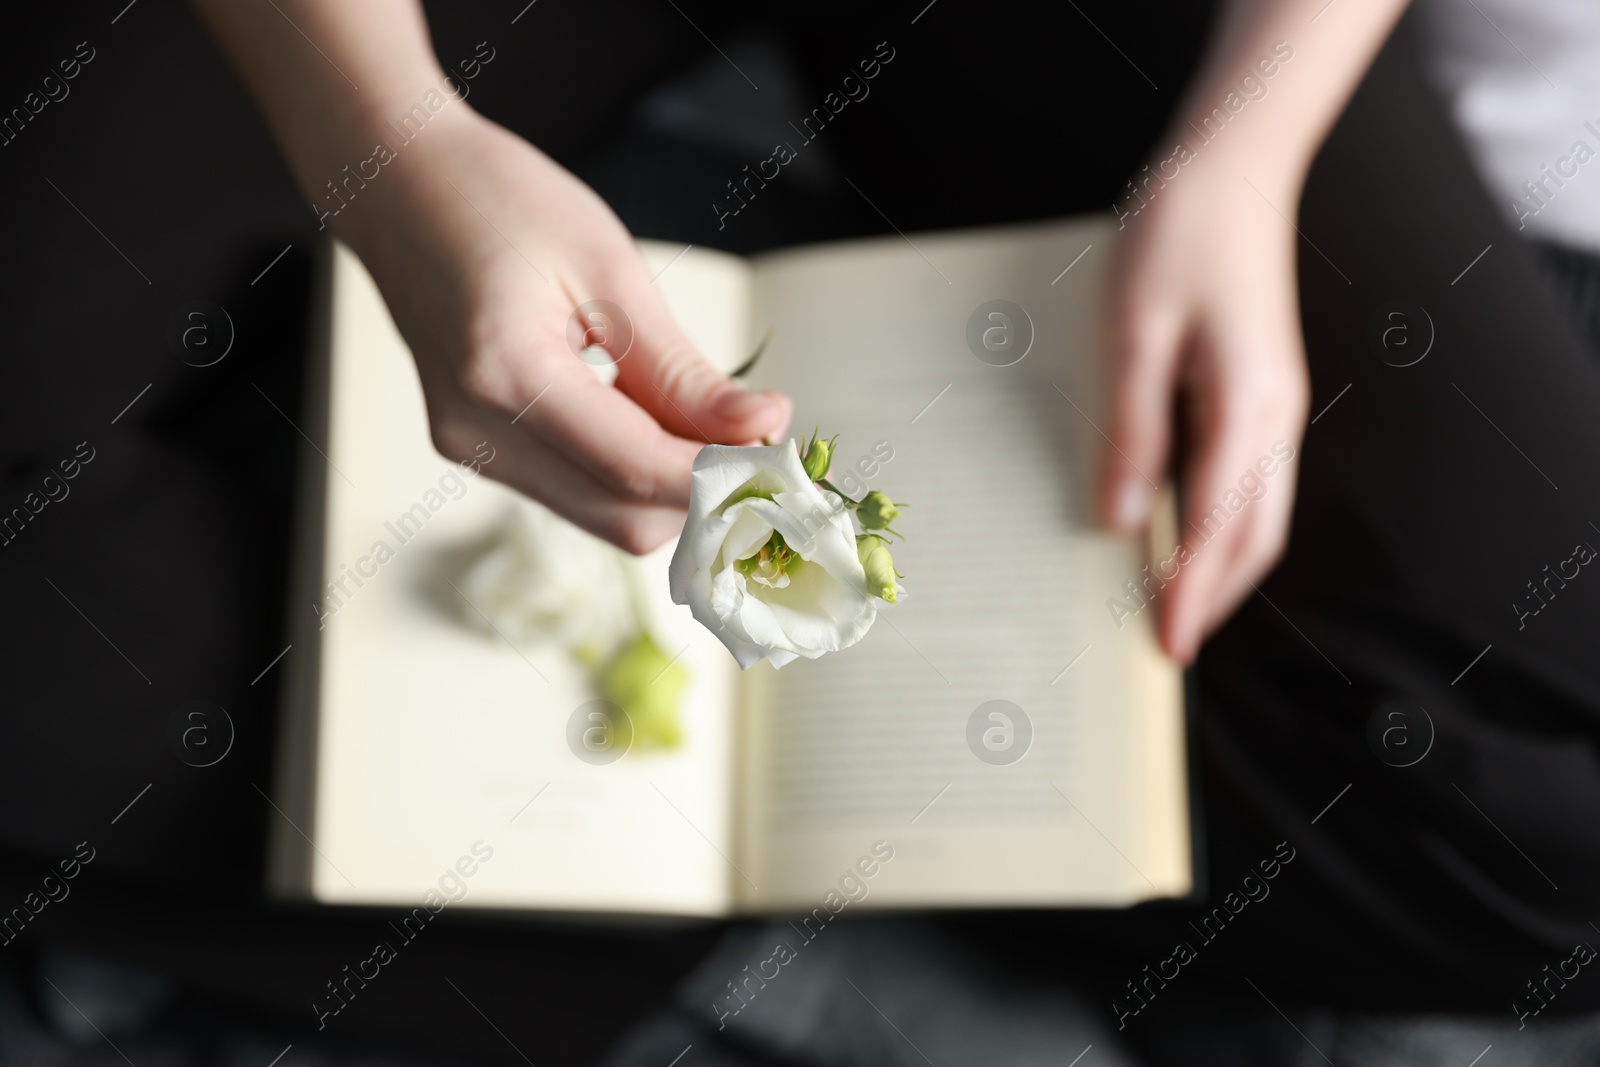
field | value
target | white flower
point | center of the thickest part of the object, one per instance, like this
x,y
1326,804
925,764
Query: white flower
x,y
545,579
801,593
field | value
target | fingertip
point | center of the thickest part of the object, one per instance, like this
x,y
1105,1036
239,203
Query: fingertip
x,y
1177,638
780,412
786,410
1127,505
745,415
739,405
1177,625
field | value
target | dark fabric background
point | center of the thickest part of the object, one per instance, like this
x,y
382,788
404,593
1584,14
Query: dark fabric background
x,y
1417,524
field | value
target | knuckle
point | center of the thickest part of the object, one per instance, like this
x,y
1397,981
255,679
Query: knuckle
x,y
495,360
636,535
680,369
1259,399
453,437
1133,350
1142,332
1137,412
1296,398
481,377
491,323
1264,544
630,479
1281,389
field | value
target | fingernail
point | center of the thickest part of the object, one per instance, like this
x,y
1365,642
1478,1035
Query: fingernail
x,y
785,412
1132,505
737,405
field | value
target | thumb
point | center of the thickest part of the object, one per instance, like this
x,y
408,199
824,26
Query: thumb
x,y
666,375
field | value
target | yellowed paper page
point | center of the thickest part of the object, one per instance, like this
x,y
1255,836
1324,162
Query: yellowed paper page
x,y
897,345
434,732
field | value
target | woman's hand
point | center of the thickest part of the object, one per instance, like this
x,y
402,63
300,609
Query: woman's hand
x,y
1204,313
1204,309
484,249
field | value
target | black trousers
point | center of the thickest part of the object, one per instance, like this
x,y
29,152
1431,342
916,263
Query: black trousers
x,y
1431,496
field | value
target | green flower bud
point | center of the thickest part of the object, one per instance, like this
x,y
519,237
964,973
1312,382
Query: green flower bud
x,y
818,455
646,683
876,511
879,566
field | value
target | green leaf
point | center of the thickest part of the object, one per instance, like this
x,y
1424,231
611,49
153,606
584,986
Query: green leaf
x,y
750,364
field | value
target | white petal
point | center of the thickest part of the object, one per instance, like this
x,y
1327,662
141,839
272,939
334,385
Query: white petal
x,y
822,608
780,659
818,613
759,623
721,470
748,531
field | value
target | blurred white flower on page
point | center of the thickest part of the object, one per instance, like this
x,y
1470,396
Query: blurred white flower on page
x,y
544,579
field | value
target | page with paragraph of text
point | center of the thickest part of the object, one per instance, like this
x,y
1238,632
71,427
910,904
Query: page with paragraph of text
x,y
1013,741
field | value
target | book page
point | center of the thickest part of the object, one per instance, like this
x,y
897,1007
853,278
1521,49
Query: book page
x,y
1070,792
434,732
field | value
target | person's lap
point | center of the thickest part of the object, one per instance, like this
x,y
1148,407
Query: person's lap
x,y
1380,705
1429,500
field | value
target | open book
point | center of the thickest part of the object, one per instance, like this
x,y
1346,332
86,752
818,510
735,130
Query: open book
x,y
412,737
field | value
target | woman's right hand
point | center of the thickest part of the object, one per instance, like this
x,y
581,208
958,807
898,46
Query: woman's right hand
x,y
1203,312
1203,307
484,248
